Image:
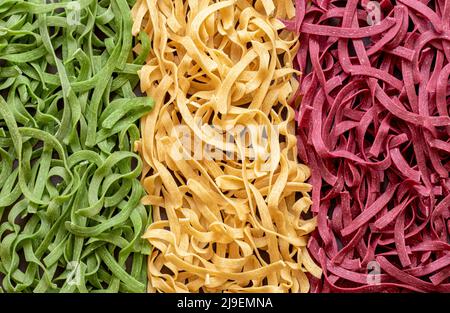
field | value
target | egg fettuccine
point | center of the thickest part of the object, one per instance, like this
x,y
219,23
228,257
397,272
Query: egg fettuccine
x,y
221,172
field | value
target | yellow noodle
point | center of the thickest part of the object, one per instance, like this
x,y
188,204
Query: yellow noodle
x,y
223,224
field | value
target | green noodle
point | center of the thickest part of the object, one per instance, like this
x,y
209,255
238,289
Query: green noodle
x,y
70,211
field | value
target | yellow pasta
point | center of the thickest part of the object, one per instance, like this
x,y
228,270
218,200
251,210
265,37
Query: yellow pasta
x,y
219,148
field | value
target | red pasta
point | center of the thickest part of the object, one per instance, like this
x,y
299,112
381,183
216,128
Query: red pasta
x,y
374,126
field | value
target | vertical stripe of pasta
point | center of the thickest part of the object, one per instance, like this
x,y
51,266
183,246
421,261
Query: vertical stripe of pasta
x,y
219,148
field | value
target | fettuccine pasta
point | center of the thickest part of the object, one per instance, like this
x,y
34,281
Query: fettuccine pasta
x,y
233,219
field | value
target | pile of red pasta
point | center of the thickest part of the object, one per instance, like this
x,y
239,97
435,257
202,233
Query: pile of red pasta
x,y
374,127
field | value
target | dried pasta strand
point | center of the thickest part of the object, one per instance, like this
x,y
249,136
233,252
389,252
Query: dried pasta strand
x,y
70,211
223,223
373,109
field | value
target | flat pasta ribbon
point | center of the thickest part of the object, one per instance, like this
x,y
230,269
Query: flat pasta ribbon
x,y
70,211
219,148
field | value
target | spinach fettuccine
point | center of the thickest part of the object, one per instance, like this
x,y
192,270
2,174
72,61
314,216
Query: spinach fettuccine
x,y
71,217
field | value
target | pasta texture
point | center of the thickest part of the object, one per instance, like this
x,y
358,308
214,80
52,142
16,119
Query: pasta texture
x,y
70,211
375,127
233,218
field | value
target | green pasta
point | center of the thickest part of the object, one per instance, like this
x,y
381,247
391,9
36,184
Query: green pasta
x,y
70,211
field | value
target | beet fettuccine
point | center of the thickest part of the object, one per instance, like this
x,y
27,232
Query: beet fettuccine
x,y
374,127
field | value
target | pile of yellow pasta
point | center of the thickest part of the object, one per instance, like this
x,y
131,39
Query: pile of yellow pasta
x,y
228,219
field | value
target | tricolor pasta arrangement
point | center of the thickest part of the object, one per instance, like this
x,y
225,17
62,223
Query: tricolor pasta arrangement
x,y
224,146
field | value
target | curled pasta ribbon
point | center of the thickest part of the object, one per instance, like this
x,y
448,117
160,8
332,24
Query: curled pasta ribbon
x,y
231,220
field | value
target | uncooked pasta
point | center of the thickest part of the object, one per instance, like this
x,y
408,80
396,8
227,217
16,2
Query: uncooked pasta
x,y
230,200
70,212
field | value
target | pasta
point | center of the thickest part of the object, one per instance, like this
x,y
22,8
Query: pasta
x,y
233,218
374,123
70,211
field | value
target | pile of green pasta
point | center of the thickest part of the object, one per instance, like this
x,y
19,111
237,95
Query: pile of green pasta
x,y
71,217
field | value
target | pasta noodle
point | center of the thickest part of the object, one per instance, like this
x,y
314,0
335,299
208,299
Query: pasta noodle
x,y
70,212
232,218
374,121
